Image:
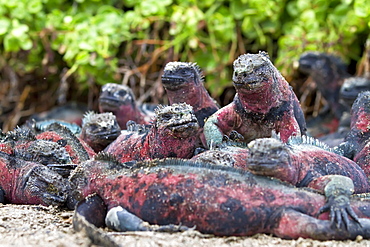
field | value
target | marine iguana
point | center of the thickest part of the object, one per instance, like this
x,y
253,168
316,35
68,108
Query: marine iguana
x,y
328,72
264,102
26,182
217,199
303,162
120,100
172,134
183,83
351,87
356,143
54,146
99,130
76,147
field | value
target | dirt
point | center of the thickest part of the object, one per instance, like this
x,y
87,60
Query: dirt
x,y
25,225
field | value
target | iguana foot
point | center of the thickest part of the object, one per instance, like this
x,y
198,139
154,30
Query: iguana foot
x,y
340,210
121,220
338,191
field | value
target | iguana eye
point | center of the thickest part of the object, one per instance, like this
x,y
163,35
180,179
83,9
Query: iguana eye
x,y
121,93
166,116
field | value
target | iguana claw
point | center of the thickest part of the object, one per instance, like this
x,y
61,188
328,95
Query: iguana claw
x,y
340,210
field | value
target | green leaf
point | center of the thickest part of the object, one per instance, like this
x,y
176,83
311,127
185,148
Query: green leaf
x,y
4,25
10,43
34,6
362,8
26,44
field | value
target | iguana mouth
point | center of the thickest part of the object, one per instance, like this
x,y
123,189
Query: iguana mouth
x,y
182,123
353,86
114,102
172,82
108,135
184,127
262,166
250,80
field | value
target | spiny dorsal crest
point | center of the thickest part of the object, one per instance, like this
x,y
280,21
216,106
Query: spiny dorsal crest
x,y
113,161
103,119
308,140
173,66
107,157
20,133
186,164
135,127
88,116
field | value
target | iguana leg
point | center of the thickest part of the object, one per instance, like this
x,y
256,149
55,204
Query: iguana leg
x,y
338,190
212,133
120,219
2,195
292,224
93,209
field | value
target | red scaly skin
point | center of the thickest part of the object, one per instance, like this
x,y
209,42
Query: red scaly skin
x,y
363,159
120,100
356,143
184,83
301,164
360,115
6,148
264,102
173,134
219,201
27,182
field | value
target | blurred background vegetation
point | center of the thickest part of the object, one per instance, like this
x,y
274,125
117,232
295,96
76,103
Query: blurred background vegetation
x,y
56,51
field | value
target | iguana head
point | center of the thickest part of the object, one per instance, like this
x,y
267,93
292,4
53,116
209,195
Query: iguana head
x,y
44,152
352,86
178,74
176,120
270,157
251,70
113,95
321,64
34,183
99,129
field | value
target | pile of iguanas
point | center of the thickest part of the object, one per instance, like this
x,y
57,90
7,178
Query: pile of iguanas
x,y
245,168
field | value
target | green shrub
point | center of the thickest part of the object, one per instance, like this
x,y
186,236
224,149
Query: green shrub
x,y
110,40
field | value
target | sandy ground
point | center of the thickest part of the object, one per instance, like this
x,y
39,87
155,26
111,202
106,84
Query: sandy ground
x,y
24,225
